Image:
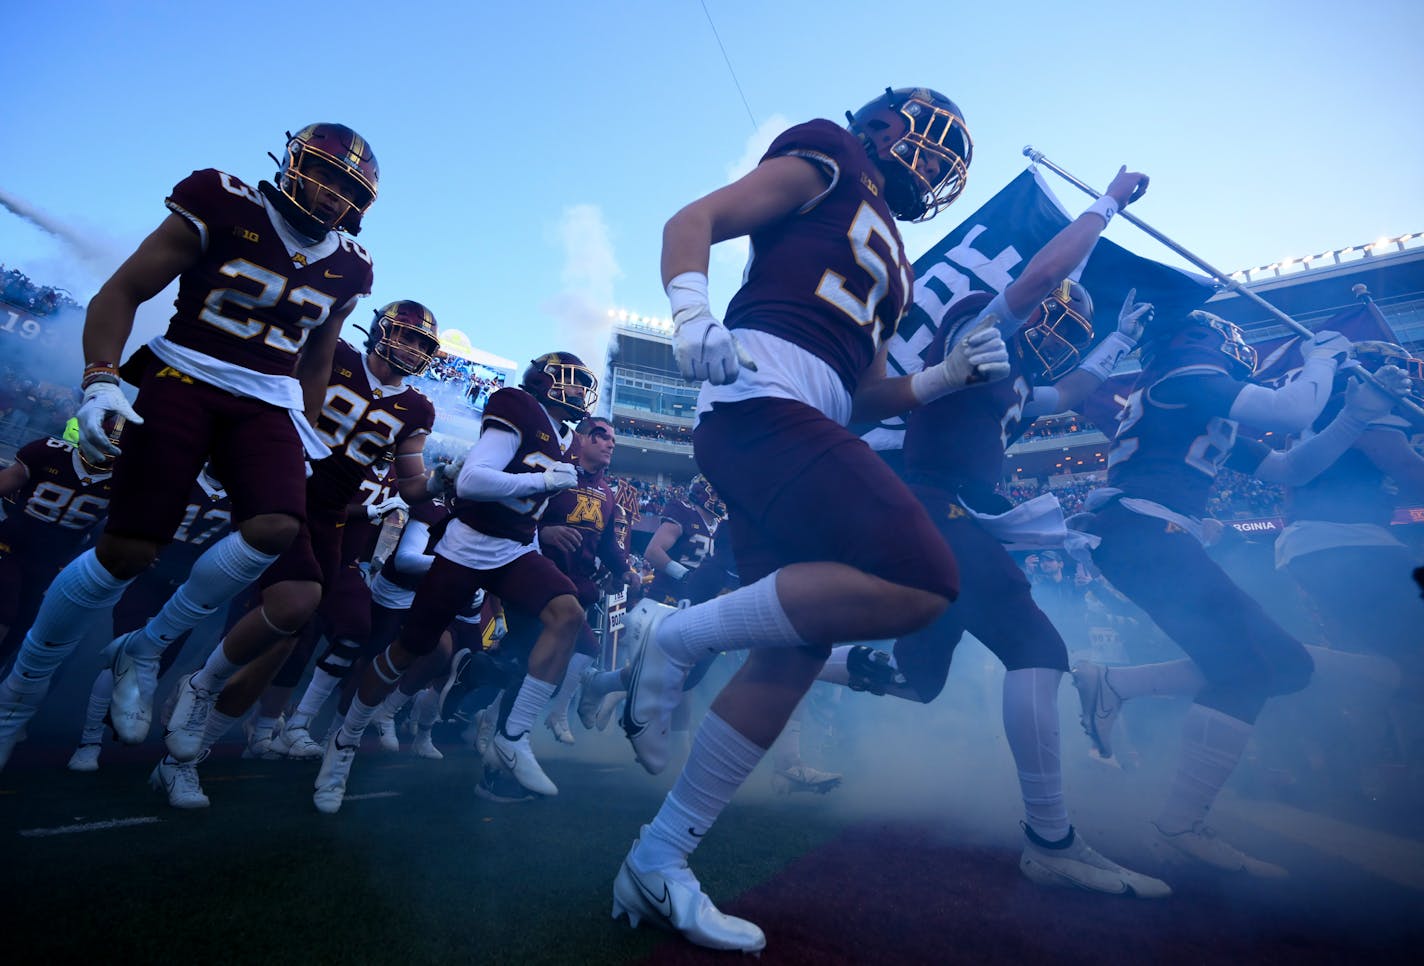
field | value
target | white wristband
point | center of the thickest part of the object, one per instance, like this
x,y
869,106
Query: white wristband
x,y
1105,207
687,294
1107,354
675,570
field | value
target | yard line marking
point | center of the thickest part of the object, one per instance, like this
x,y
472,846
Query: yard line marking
x,y
1388,856
357,798
36,833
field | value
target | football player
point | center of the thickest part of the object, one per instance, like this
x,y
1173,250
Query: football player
x,y
954,457
370,417
521,458
260,271
57,498
1181,424
208,518
809,504
578,532
685,537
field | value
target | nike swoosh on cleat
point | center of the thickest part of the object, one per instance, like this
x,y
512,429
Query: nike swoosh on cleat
x,y
632,727
506,760
694,833
662,904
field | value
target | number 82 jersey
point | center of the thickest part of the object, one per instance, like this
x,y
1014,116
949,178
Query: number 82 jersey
x,y
1173,436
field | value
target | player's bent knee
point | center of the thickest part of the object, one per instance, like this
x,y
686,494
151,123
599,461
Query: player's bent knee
x,y
289,605
270,532
563,614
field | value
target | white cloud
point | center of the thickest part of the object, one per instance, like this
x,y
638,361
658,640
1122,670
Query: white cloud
x,y
590,269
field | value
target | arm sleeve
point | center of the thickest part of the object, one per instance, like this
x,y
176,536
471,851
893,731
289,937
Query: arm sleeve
x,y
482,477
1008,322
1306,460
411,557
1290,408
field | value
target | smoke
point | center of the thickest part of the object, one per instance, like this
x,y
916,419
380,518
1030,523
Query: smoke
x,y
81,245
731,255
590,268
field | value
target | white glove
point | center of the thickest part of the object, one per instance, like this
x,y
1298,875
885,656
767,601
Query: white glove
x,y
442,479
390,504
1327,345
980,356
560,476
705,349
1134,317
101,399
1367,403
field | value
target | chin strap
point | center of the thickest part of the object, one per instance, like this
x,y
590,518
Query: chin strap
x,y
301,221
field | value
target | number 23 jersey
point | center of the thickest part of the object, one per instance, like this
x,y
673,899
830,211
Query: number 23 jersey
x,y
252,301
833,277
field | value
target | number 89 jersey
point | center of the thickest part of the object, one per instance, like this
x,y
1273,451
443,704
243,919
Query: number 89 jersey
x,y
252,300
1173,436
541,445
832,278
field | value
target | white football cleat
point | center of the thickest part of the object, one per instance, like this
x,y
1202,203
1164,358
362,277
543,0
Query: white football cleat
x,y
1200,844
424,747
85,758
517,757
673,899
179,781
135,682
654,689
589,699
485,721
386,730
189,720
335,770
1077,866
295,741
606,707
1101,704
559,725
801,777
259,743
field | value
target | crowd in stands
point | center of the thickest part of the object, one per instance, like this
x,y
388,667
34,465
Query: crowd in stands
x,y
17,289
1061,426
31,408
675,434
1237,496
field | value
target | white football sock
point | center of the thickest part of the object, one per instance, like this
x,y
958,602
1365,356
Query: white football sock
x,y
1212,745
564,697
358,718
218,724
718,764
533,695
746,618
215,671
98,707
219,575
606,682
79,597
391,707
318,690
1171,678
427,709
1031,726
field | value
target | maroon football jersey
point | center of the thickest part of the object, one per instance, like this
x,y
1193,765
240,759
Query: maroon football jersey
x,y
590,509
513,410
249,301
60,503
960,438
363,426
208,517
359,538
833,280
691,548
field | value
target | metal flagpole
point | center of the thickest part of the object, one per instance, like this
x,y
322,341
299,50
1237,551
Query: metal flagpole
x,y
1037,157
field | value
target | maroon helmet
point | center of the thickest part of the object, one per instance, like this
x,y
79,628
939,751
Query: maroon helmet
x,y
918,140
701,493
1200,335
561,379
405,335
1057,331
335,158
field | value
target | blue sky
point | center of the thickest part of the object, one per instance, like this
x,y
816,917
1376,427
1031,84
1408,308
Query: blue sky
x,y
530,153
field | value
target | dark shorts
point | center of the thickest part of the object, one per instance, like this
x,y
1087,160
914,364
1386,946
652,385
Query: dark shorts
x,y
314,556
1244,655
800,488
524,585
995,605
253,446
346,605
